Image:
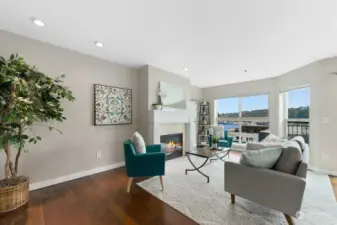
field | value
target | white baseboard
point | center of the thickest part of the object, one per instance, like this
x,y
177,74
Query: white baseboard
x,y
73,176
328,172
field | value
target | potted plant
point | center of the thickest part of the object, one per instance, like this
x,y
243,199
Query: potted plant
x,y
161,94
214,142
157,106
27,98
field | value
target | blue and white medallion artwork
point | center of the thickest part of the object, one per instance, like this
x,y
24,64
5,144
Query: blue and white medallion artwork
x,y
113,105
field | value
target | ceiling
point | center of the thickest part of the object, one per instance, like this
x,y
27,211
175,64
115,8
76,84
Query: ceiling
x,y
217,40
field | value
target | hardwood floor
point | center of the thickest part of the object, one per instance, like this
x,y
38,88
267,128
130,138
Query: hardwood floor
x,y
100,199
334,185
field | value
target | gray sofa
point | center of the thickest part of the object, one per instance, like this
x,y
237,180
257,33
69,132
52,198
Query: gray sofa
x,y
277,190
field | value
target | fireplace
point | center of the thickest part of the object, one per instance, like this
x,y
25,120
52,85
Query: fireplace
x,y
172,145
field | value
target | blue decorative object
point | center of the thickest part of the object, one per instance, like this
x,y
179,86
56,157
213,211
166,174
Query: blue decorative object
x,y
227,141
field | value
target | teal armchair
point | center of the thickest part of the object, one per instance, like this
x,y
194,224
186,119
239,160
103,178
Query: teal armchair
x,y
151,163
227,141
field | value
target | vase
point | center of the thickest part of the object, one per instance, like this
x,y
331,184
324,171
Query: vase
x,y
158,107
214,145
14,196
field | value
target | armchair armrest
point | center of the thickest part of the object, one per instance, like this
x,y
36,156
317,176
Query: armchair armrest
x,y
230,141
153,148
149,164
274,189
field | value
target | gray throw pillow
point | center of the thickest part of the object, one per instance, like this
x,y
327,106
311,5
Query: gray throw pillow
x,y
290,158
264,158
260,145
300,140
138,143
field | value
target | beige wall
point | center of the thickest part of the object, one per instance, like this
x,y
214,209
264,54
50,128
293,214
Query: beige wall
x,y
74,151
196,93
156,75
148,83
142,94
323,98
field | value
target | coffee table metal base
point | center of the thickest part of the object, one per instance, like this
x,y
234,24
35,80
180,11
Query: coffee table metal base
x,y
197,168
226,153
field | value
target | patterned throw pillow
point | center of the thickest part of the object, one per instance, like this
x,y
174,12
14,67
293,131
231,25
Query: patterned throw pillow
x,y
138,143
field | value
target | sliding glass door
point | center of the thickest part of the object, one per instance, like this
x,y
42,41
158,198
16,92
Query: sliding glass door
x,y
296,116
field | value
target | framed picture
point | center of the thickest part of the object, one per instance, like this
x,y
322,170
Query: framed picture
x,y
113,105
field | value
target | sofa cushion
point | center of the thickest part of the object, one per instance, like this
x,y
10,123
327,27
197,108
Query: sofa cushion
x,y
300,140
138,143
272,138
260,145
290,158
264,158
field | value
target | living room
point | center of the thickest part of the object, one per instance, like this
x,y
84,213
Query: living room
x,y
150,125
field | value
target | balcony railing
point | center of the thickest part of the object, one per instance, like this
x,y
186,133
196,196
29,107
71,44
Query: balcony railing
x,y
251,131
256,131
298,127
245,137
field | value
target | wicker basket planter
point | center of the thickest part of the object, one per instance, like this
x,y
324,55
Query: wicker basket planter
x,y
14,196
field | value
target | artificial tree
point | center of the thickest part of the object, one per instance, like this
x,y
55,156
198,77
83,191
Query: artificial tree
x,y
28,98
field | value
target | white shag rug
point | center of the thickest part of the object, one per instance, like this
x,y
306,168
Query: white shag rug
x,y
208,203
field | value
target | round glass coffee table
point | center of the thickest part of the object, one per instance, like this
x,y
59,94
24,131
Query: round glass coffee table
x,y
208,154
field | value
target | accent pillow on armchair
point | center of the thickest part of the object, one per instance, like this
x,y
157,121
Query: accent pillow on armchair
x,y
138,143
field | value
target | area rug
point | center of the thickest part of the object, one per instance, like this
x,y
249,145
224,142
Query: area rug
x,y
208,203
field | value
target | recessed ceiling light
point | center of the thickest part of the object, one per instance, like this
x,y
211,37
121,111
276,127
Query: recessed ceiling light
x,y
185,69
38,22
246,71
98,44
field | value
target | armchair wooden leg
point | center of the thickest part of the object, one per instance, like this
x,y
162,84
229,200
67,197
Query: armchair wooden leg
x,y
161,183
129,184
233,198
289,219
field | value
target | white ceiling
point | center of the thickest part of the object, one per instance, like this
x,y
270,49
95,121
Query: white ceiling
x,y
215,39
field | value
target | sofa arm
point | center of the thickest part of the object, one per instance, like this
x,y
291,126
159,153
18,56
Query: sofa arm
x,y
149,164
153,148
273,189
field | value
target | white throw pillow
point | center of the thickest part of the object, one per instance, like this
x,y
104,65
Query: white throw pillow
x,y
263,158
138,143
272,138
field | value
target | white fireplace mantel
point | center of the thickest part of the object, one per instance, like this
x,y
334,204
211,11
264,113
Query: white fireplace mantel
x,y
169,117
158,118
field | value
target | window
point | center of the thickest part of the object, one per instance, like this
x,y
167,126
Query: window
x,y
255,106
297,106
298,103
228,107
245,118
